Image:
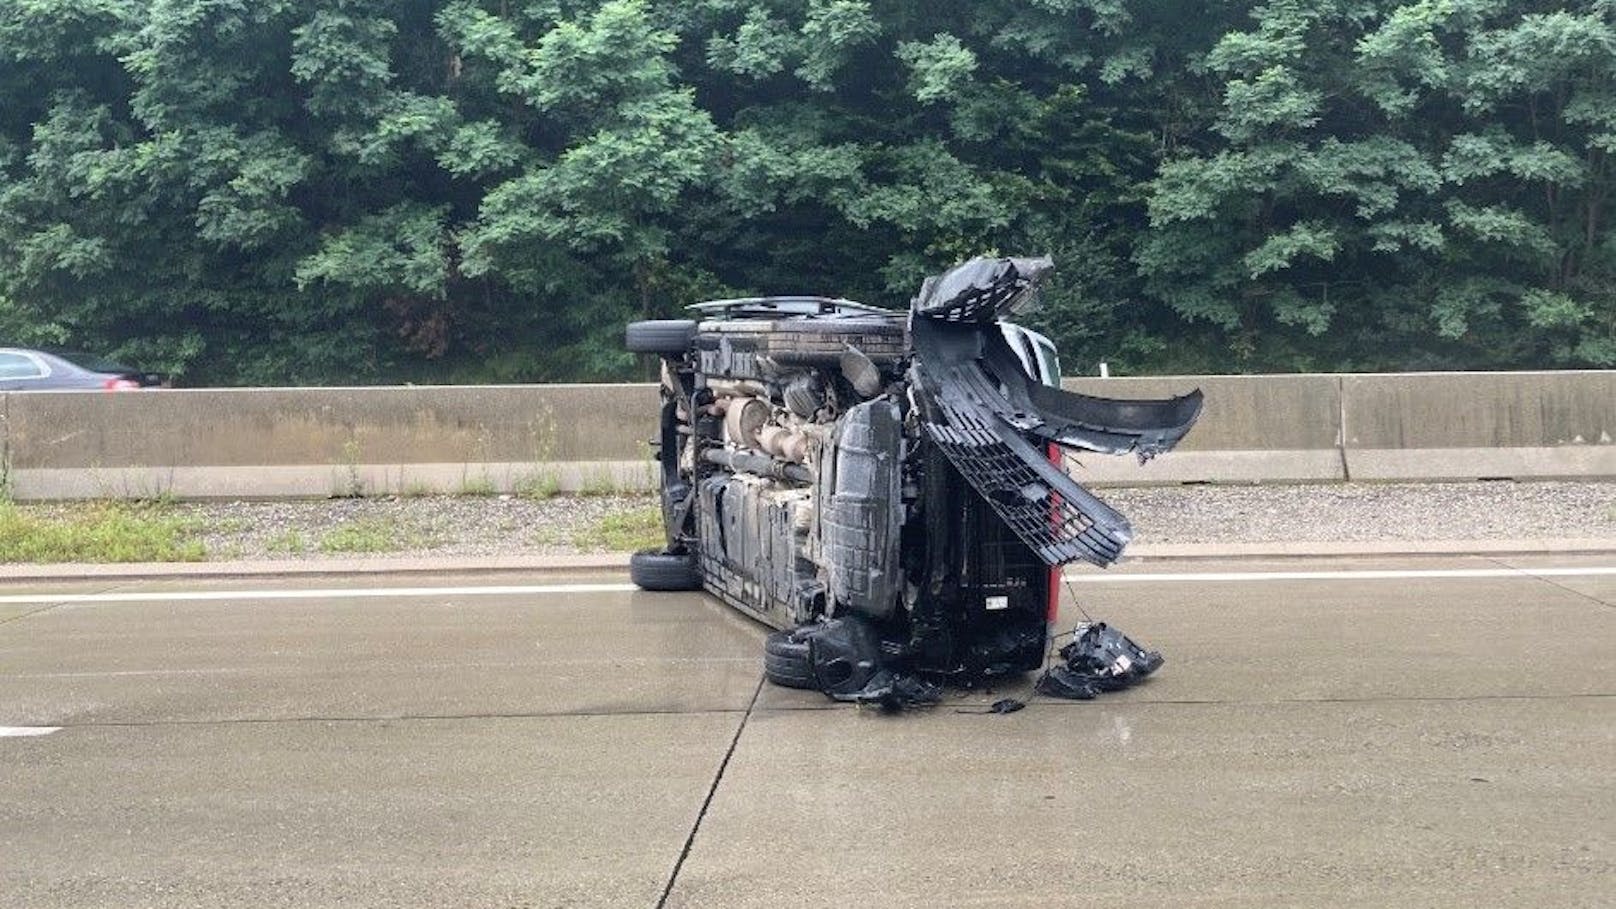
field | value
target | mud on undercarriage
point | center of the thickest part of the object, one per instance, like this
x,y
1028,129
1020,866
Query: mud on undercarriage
x,y
886,488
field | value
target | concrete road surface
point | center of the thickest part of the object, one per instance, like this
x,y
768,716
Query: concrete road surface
x,y
1434,732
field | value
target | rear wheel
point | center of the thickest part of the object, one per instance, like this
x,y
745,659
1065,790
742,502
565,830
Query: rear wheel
x,y
652,569
663,337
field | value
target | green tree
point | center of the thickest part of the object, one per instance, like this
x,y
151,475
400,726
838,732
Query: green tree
x,y
469,190
1399,185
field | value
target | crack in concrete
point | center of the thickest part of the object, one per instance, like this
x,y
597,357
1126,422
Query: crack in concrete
x,y
49,606
690,841
395,718
1554,583
752,708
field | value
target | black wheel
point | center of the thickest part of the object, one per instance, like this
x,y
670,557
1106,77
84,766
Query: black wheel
x,y
787,661
652,569
664,337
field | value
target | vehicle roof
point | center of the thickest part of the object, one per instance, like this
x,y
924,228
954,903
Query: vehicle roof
x,y
75,360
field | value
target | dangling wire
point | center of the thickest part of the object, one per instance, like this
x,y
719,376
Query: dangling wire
x,y
1072,592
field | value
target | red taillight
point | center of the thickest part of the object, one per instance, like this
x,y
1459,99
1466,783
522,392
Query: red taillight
x,y
119,385
1052,607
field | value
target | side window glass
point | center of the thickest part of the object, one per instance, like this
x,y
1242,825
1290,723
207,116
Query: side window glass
x,y
1051,364
17,366
1031,353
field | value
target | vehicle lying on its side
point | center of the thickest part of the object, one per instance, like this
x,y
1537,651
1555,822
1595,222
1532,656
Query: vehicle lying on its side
x,y
886,488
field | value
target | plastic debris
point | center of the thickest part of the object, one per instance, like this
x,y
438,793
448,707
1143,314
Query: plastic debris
x,y
1099,659
894,691
1004,705
843,658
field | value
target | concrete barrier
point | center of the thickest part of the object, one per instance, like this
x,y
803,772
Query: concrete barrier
x,y
328,441
1461,426
1253,429
342,441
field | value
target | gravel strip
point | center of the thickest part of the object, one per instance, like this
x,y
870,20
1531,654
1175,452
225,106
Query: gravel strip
x,y
1361,512
514,526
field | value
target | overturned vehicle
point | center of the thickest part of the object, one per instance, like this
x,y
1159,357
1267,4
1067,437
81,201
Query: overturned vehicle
x,y
883,487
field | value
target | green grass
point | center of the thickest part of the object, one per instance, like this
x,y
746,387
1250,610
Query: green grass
x,y
364,535
599,483
99,532
477,486
624,532
288,542
539,486
417,489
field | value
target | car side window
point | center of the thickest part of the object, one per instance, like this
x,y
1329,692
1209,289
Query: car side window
x,y
17,366
1050,362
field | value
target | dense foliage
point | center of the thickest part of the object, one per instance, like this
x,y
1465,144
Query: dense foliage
x,y
280,191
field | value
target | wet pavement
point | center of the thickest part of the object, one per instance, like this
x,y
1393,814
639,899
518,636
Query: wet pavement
x,y
1349,732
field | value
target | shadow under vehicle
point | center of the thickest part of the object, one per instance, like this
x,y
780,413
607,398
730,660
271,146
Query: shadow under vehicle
x,y
883,487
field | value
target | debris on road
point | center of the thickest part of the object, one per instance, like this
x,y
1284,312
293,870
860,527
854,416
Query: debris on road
x,y
1001,706
843,658
1099,659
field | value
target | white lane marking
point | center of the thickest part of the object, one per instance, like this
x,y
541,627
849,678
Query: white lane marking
x,y
23,732
329,593
1367,574
382,593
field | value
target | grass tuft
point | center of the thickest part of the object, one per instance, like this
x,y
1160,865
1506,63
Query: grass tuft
x,y
373,535
417,489
99,532
624,532
539,486
599,483
288,542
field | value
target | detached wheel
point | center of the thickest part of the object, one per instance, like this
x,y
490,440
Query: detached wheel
x,y
663,337
652,569
787,661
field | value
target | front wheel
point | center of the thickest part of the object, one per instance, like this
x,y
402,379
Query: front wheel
x,y
652,569
664,337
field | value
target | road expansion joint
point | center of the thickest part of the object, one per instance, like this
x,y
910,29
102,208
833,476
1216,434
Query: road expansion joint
x,y
1380,699
690,840
47,607
1557,584
398,718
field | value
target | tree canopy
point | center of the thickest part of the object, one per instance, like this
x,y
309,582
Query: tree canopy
x,y
288,191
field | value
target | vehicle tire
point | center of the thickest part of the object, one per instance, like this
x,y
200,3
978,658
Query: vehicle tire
x,y
664,337
653,569
787,661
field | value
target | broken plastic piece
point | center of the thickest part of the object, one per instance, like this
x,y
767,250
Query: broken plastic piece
x,y
983,289
843,658
1100,659
845,655
894,691
1060,682
1005,705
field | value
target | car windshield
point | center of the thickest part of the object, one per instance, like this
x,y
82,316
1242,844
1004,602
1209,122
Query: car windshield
x,y
90,362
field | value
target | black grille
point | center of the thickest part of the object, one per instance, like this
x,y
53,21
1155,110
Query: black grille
x,y
1049,512
969,419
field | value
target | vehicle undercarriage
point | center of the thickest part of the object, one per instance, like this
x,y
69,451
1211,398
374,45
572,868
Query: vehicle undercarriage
x,y
885,488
